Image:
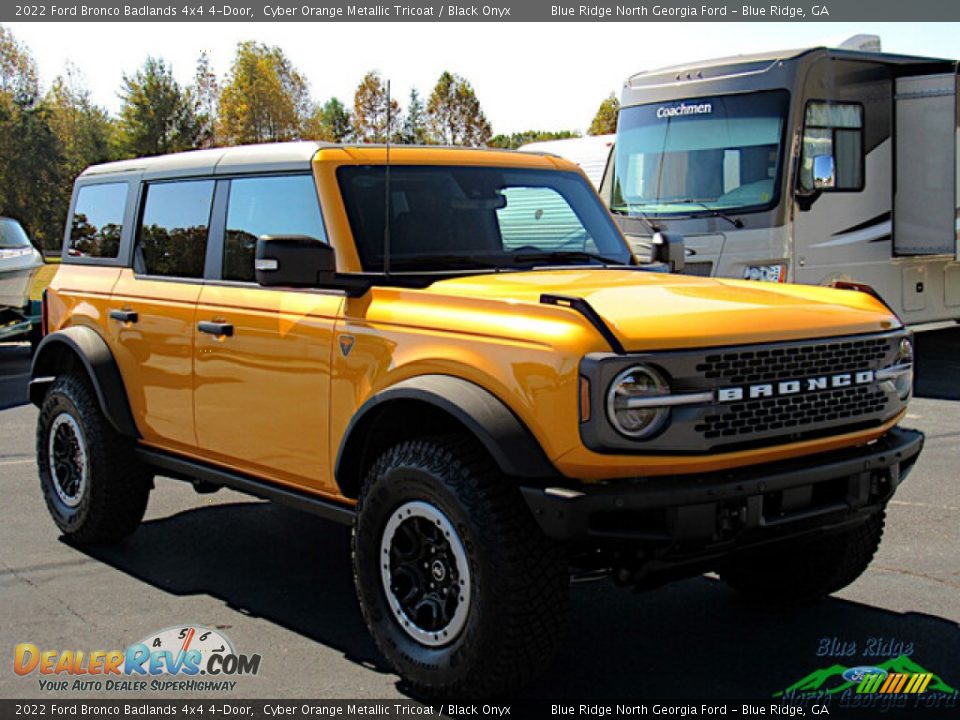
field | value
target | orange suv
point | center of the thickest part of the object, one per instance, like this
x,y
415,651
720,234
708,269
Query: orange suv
x,y
455,352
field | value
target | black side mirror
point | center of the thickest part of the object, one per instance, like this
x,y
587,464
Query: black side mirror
x,y
294,261
669,248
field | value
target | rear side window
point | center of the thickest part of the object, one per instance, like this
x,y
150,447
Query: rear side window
x,y
173,230
98,221
282,205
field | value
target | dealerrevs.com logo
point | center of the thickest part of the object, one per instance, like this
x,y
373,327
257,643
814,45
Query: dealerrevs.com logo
x,y
184,658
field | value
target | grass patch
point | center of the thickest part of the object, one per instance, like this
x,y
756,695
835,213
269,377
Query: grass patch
x,y
43,278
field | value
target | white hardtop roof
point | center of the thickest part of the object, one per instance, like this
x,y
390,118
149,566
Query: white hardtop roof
x,y
269,157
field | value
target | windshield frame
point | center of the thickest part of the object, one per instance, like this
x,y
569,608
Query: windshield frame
x,y
410,264
698,208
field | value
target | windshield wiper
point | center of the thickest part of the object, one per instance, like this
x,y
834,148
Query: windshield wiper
x,y
556,256
630,210
714,212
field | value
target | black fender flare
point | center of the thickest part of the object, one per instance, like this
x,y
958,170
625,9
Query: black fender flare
x,y
509,442
54,355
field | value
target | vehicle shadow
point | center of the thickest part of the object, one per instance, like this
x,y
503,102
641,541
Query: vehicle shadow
x,y
14,374
261,559
694,639
938,364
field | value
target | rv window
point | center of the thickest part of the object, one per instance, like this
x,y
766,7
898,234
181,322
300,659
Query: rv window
x,y
97,221
833,130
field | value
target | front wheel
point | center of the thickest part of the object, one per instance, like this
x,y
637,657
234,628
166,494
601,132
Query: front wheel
x,y
802,571
95,488
462,592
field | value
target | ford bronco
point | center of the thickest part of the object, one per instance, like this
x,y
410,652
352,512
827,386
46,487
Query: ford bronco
x,y
455,352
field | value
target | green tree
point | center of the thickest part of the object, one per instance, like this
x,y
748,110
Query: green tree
x,y
157,116
370,115
415,130
515,140
18,71
31,163
605,121
206,94
265,99
330,122
84,130
454,113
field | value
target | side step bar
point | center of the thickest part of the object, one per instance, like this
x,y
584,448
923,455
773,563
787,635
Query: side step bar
x,y
183,469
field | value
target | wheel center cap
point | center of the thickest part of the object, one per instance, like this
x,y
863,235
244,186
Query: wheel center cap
x,y
438,570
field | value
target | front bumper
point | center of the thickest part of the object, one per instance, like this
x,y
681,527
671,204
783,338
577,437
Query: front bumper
x,y
731,508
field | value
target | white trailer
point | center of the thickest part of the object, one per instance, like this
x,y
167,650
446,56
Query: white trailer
x,y
803,166
591,153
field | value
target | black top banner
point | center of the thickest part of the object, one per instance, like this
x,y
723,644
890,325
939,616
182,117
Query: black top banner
x,y
496,11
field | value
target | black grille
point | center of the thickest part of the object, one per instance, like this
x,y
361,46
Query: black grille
x,y
796,361
797,411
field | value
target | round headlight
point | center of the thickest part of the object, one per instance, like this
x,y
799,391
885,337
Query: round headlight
x,y
629,404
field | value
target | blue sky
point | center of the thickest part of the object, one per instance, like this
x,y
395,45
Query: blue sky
x,y
527,75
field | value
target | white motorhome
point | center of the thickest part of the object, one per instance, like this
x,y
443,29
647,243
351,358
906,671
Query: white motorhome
x,y
803,166
591,153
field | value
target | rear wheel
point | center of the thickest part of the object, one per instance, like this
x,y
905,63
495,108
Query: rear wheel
x,y
462,592
803,571
95,488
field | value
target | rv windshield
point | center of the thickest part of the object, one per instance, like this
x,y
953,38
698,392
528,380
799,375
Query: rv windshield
x,y
700,156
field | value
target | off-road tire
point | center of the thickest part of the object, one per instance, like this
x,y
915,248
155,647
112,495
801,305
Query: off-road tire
x,y
519,580
804,571
114,496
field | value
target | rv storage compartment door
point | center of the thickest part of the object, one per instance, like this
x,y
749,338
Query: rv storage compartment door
x,y
925,198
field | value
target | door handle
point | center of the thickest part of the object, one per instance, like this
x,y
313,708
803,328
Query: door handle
x,y
124,316
215,328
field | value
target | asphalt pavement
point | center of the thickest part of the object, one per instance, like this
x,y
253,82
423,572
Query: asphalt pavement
x,y
278,583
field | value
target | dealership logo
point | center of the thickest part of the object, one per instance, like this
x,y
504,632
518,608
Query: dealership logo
x,y
171,659
896,676
784,388
672,111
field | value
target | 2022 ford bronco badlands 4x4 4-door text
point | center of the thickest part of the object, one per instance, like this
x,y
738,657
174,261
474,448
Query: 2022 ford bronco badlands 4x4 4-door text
x,y
456,352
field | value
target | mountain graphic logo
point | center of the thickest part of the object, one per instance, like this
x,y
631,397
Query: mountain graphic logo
x,y
831,681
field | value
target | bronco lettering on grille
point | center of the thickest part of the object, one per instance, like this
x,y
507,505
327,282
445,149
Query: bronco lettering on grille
x,y
794,387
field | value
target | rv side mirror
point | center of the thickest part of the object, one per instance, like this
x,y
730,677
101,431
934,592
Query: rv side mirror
x,y
669,248
294,261
824,172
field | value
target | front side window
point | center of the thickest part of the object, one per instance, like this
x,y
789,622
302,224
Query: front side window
x,y
173,230
698,156
282,205
98,221
834,133
464,218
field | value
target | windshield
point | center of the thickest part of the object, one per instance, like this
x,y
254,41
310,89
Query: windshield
x,y
12,235
700,156
463,218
